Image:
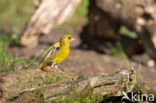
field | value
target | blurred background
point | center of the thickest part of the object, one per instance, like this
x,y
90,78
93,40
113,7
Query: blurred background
x,y
109,35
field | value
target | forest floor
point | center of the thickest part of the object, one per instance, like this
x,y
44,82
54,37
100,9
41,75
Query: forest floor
x,y
90,62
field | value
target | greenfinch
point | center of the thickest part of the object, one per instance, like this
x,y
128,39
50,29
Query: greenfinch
x,y
56,53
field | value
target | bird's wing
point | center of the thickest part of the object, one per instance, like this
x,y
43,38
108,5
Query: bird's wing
x,y
51,52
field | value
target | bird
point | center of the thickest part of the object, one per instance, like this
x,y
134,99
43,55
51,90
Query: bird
x,y
56,53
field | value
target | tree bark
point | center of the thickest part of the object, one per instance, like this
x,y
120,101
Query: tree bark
x,y
107,16
36,86
48,15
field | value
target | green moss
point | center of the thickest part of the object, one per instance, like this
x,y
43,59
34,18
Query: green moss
x,y
75,96
49,78
88,96
93,99
87,99
53,78
38,96
125,31
73,101
140,88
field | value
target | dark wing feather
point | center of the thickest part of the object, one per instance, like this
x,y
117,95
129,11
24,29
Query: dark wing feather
x,y
52,51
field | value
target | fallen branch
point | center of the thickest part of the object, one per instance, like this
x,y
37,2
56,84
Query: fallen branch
x,y
27,85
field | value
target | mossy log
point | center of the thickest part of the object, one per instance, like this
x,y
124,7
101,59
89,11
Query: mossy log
x,y
36,86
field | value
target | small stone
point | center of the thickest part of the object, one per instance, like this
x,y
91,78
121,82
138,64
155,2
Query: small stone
x,y
151,63
118,6
141,21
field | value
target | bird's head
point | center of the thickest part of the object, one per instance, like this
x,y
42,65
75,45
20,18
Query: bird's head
x,y
66,39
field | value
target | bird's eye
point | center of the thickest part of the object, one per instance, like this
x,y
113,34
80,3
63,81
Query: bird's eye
x,y
69,37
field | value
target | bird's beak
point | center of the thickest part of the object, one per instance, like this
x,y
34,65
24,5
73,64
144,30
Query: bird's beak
x,y
72,39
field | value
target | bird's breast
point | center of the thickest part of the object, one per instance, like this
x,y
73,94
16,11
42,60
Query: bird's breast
x,y
62,55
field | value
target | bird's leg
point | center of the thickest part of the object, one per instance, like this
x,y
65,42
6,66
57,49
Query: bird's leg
x,y
58,69
54,65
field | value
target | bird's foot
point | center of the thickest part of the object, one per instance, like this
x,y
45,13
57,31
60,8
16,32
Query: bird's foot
x,y
59,69
52,69
48,69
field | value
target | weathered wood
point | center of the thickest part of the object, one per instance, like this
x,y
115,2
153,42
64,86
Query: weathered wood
x,y
48,15
39,86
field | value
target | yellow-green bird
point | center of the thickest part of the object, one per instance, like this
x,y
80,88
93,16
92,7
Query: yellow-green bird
x,y
56,53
